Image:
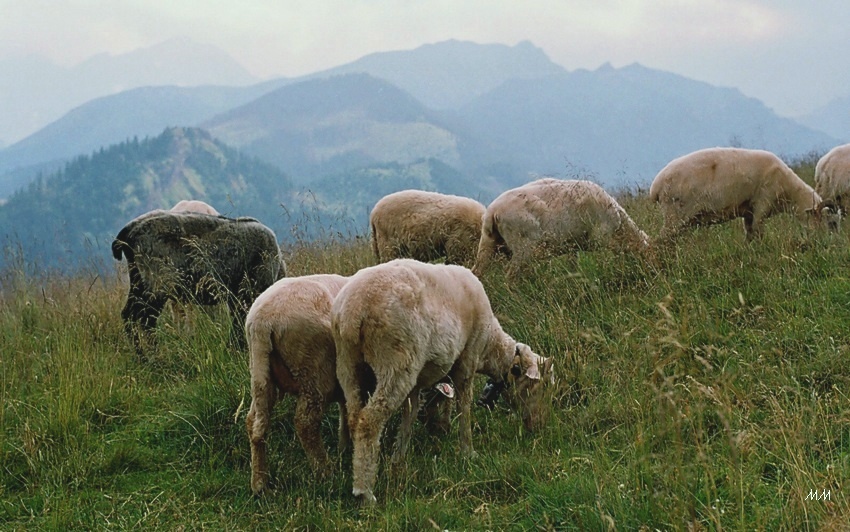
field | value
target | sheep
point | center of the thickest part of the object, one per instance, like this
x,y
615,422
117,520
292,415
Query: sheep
x,y
194,206
832,180
194,257
716,185
554,215
292,351
177,310
425,226
402,326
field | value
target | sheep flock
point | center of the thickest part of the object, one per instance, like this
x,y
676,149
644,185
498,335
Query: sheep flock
x,y
379,340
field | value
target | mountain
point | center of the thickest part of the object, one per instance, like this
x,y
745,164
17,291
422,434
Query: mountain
x,y
331,125
449,74
36,92
111,119
519,115
621,125
70,218
833,118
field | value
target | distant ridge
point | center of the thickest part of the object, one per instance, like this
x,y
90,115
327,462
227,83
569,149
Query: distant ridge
x,y
36,92
449,74
328,125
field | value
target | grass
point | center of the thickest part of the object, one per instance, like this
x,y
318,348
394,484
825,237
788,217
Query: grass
x,y
705,388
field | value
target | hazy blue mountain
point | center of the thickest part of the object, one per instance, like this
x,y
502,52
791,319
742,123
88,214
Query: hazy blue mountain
x,y
833,118
70,218
330,125
35,92
111,119
621,125
523,116
449,74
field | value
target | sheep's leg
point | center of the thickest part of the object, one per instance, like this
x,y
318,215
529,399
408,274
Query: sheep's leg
x,y
486,250
257,424
309,409
367,436
409,409
140,315
344,433
463,388
436,413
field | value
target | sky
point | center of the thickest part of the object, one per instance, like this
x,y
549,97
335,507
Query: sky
x,y
794,55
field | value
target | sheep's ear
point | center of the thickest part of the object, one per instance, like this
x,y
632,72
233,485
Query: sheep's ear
x,y
516,366
533,369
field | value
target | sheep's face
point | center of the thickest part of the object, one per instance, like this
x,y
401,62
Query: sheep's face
x,y
528,379
830,214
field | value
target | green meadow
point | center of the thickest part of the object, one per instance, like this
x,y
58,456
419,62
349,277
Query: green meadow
x,y
702,387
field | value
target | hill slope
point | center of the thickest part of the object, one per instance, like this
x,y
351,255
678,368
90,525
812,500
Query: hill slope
x,y
449,74
111,119
36,92
621,125
332,125
71,217
833,119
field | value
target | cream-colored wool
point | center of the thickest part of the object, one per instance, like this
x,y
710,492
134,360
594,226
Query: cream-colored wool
x,y
832,178
292,351
552,216
426,226
720,184
194,206
403,326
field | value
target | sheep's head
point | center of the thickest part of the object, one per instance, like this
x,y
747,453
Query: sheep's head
x,y
830,213
526,384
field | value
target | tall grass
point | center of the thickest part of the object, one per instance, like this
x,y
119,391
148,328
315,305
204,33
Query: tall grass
x,y
704,387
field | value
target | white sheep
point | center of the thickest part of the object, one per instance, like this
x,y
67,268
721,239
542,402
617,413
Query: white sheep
x,y
292,351
425,226
832,178
716,185
553,216
194,206
404,325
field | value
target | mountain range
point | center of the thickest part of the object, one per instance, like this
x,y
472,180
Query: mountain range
x,y
35,92
456,117
491,111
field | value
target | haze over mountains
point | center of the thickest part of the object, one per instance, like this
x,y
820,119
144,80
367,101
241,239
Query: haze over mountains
x,y
471,106
456,117
35,92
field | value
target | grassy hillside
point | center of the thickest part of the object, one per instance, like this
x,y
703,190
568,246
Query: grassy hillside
x,y
704,388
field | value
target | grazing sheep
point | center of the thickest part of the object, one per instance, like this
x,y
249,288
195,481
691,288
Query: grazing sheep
x,y
425,226
178,310
292,351
716,185
553,216
194,206
401,327
832,179
198,258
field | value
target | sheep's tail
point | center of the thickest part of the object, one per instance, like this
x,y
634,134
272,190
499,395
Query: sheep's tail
x,y
260,348
375,241
355,376
490,238
120,245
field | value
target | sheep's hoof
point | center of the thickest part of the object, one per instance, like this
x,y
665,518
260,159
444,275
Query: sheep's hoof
x,y
366,499
258,485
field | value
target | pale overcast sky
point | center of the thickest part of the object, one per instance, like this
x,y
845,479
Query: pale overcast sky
x,y
792,54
